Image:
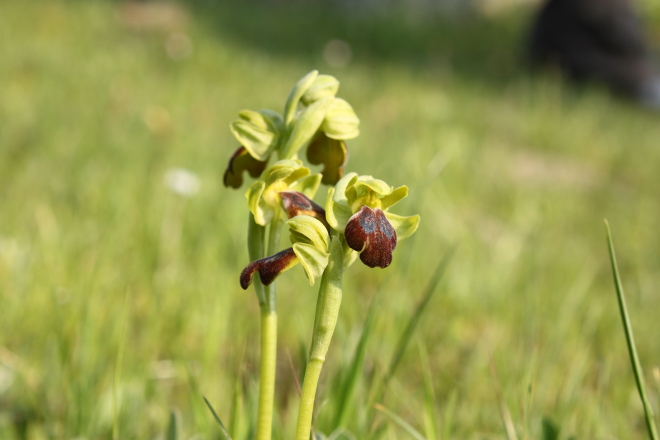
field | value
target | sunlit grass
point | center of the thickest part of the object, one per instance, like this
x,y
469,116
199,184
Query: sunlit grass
x,y
516,172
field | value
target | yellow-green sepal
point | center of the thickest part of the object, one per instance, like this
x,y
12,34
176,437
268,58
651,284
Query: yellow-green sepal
x,y
404,226
261,216
323,86
306,125
259,132
308,185
337,212
313,260
296,93
341,122
394,197
307,229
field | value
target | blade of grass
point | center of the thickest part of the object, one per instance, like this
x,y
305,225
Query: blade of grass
x,y
630,340
347,389
507,420
378,391
116,404
173,427
430,401
406,336
399,421
450,409
217,419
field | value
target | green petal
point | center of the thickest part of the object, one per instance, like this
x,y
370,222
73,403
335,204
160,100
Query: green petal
x,y
280,170
344,182
257,140
254,196
323,85
341,122
311,229
306,125
394,197
404,226
274,120
296,93
297,174
337,212
312,259
308,185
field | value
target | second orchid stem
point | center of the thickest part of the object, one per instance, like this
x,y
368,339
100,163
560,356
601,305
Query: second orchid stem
x,y
327,312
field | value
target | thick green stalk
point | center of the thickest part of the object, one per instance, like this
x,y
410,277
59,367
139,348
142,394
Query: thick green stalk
x,y
268,340
268,369
327,312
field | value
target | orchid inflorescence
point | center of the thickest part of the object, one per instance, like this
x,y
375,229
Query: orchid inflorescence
x,y
355,220
357,207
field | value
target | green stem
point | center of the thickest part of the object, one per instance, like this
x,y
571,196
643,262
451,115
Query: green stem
x,y
268,306
327,312
268,369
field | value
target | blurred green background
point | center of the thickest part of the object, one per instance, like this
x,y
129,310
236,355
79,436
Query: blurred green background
x,y
119,299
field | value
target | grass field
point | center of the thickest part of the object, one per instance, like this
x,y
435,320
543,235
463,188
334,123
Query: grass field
x,y
120,302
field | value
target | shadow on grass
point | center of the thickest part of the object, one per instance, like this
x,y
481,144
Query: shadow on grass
x,y
469,45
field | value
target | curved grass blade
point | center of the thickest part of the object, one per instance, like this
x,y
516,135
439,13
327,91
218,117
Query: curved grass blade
x,y
632,349
399,421
217,419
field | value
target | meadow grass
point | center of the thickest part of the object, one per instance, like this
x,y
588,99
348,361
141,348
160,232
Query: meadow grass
x,y
108,325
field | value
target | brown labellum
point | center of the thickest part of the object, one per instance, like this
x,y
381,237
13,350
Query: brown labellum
x,y
269,268
296,203
370,233
241,161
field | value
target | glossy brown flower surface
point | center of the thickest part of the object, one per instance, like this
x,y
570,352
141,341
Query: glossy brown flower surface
x,y
269,268
370,232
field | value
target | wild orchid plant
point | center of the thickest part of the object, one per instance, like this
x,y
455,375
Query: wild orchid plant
x,y
356,219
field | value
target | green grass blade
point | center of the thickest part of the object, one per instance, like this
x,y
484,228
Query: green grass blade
x,y
450,410
430,401
116,404
407,335
217,419
173,427
347,390
399,421
632,349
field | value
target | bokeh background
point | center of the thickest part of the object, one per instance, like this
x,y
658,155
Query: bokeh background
x,y
119,296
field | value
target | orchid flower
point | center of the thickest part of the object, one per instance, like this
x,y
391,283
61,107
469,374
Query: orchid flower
x,y
358,208
313,117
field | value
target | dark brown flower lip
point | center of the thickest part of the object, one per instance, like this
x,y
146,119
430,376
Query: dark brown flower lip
x,y
296,203
369,232
241,161
269,268
332,153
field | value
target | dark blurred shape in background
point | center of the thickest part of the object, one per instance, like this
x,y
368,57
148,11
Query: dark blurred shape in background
x,y
599,40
